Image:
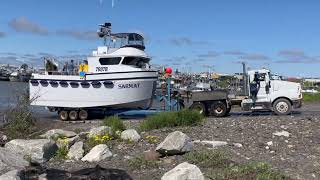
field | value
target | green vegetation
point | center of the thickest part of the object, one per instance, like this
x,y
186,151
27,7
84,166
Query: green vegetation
x,y
309,97
62,153
115,123
208,158
257,171
19,119
172,119
220,166
139,163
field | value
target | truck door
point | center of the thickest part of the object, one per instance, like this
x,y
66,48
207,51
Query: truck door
x,y
263,93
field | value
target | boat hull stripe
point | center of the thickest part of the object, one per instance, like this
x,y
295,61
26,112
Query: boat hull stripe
x,y
120,72
133,78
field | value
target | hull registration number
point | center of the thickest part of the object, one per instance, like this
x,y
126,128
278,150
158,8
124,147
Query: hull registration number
x,y
101,69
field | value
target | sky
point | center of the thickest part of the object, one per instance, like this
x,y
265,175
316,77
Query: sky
x,y
196,36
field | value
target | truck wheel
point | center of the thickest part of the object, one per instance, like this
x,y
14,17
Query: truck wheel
x,y
218,109
73,115
282,107
83,114
63,115
199,107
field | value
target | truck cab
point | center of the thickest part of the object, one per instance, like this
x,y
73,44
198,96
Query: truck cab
x,y
265,92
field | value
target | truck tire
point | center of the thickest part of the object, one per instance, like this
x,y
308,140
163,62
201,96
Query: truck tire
x,y
218,109
73,115
63,115
282,107
200,107
83,114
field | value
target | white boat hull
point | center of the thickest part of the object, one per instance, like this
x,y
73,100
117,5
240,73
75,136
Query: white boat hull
x,y
132,90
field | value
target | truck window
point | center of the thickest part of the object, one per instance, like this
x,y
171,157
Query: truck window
x,y
262,76
110,61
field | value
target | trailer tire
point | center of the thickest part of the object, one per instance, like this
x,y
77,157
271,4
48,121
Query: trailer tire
x,y
282,107
83,115
218,109
199,107
63,115
73,115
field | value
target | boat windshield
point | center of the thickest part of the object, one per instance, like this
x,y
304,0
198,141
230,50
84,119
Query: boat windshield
x,y
126,40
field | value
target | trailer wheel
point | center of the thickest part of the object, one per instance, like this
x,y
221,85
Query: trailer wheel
x,y
73,115
63,115
200,107
219,109
282,107
83,114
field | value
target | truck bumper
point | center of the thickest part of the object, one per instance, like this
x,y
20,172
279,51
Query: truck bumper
x,y
297,103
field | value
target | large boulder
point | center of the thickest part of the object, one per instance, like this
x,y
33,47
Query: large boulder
x,y
10,160
99,131
130,135
54,133
11,175
184,171
175,143
36,150
76,151
98,153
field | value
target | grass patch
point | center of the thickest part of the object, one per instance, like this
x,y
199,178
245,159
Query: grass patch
x,y
311,97
139,163
208,159
219,166
254,171
172,119
115,123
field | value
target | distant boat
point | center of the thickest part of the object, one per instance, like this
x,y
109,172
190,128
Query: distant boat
x,y
14,77
4,76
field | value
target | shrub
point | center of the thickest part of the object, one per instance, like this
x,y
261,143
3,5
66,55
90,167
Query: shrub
x,y
19,119
115,123
171,119
62,153
92,142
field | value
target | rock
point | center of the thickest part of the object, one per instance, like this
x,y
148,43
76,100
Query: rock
x,y
238,145
131,135
214,144
12,159
76,151
175,143
98,153
99,131
282,133
54,133
38,150
270,143
151,155
67,142
11,175
184,171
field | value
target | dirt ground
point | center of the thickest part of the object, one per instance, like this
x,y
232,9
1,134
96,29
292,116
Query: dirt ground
x,y
297,156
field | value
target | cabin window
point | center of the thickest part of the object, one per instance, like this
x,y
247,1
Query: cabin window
x,y
110,61
136,61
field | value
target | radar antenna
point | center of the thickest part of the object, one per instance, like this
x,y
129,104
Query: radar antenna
x,y
104,31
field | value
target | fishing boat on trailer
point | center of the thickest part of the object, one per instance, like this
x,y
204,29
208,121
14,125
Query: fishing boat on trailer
x,y
118,76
